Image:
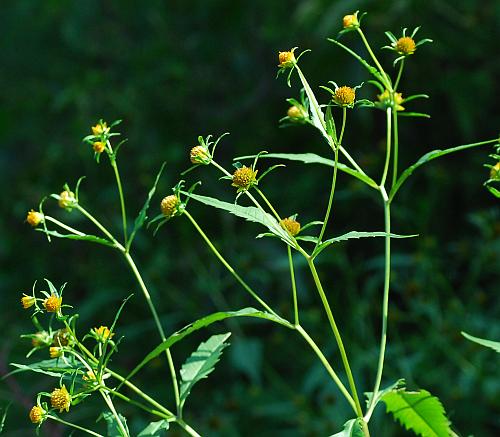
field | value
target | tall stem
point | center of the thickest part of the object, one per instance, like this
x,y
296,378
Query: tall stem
x,y
99,226
112,160
111,407
294,286
400,72
73,425
336,333
388,146
385,302
387,82
226,264
187,428
396,147
261,194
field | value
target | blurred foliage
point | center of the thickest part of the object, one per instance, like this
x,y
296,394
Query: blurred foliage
x,y
173,70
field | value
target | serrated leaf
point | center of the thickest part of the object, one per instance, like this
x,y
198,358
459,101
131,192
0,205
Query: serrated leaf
x,y
495,345
312,158
426,158
142,216
352,428
155,429
201,363
85,237
201,323
356,234
249,213
418,411
54,367
112,425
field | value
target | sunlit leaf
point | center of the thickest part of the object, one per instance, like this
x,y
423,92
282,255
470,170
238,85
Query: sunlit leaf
x,y
495,345
155,429
352,428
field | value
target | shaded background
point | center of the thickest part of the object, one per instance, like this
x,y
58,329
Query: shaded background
x,y
175,70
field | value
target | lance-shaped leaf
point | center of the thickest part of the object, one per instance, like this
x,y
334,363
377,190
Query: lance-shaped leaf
x,y
312,158
356,234
418,411
54,367
249,213
84,237
352,428
155,429
201,363
495,345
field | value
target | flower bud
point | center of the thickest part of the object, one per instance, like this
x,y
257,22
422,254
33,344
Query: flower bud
x,y
60,399
297,113
495,172
244,177
53,303
37,414
27,301
34,218
286,59
41,338
100,128
350,21
66,199
290,225
199,155
169,205
61,338
405,46
99,146
385,99
55,352
103,333
344,96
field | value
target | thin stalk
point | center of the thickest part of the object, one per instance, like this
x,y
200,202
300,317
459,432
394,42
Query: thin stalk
x,y
388,146
385,302
396,148
111,407
261,194
112,160
400,72
336,333
294,286
327,366
377,63
62,225
137,404
334,182
80,428
226,264
99,226
187,428
152,308
222,169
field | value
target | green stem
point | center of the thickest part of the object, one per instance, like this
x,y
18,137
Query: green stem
x,y
385,302
112,160
159,327
80,428
396,148
387,82
111,407
226,264
62,225
327,366
261,194
336,333
187,428
294,286
137,404
398,78
100,226
388,146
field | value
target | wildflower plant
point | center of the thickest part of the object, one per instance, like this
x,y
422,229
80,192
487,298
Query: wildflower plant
x,y
81,365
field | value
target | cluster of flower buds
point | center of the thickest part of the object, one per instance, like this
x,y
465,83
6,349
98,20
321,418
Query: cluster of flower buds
x,y
100,133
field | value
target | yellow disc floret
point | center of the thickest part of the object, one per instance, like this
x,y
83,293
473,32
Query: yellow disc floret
x,y
99,146
344,96
405,45
291,225
27,301
53,303
37,414
244,177
55,352
286,59
169,205
495,171
34,218
103,333
60,399
295,112
66,199
350,21
100,128
199,155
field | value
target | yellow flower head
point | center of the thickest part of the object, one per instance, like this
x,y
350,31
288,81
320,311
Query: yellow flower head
x,y
99,146
199,155
37,414
100,128
53,303
295,112
34,218
66,199
55,352
89,376
385,98
405,46
27,301
244,177
60,399
344,96
286,59
103,333
495,171
350,21
290,225
169,205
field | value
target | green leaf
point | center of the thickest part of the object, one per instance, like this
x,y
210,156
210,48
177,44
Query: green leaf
x,y
380,394
113,429
154,429
418,411
429,157
4,417
201,323
54,367
201,363
312,158
249,213
495,345
352,428
493,191
356,234
85,237
142,216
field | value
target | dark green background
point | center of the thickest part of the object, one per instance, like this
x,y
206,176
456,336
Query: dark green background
x,y
173,70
